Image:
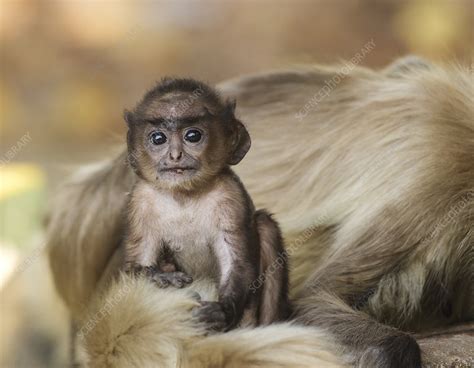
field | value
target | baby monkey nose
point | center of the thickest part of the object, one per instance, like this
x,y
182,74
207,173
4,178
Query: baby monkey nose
x,y
176,155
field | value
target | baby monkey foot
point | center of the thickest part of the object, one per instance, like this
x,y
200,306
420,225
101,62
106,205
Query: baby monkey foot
x,y
212,315
176,279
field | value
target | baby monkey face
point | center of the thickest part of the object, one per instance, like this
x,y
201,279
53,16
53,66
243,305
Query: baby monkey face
x,y
180,139
176,147
178,151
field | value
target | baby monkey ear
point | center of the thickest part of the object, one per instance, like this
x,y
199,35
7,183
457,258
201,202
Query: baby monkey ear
x,y
128,117
240,142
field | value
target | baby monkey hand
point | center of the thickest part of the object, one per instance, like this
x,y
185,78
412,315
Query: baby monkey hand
x,y
212,315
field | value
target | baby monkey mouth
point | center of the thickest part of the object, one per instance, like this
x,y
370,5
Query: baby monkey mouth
x,y
177,170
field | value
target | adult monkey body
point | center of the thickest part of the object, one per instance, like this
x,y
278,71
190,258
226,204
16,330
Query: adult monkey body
x,y
190,215
380,171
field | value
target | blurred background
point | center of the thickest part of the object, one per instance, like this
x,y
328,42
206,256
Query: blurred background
x,y
69,68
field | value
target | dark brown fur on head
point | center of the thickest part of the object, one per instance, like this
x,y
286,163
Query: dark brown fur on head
x,y
173,109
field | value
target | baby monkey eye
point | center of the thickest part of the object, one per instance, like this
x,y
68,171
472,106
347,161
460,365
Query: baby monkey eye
x,y
193,135
157,138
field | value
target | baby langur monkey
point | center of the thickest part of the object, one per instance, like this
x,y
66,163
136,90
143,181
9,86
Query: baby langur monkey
x,y
189,216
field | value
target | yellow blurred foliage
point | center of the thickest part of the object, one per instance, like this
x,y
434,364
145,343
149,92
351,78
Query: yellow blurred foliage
x,y
18,178
442,24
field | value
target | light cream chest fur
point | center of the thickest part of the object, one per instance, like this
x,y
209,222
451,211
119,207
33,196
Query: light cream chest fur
x,y
189,228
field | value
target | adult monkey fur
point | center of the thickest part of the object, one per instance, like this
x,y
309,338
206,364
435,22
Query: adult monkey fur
x,y
190,216
374,189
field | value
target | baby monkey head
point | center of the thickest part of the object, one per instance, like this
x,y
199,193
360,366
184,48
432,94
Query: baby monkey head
x,y
182,134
